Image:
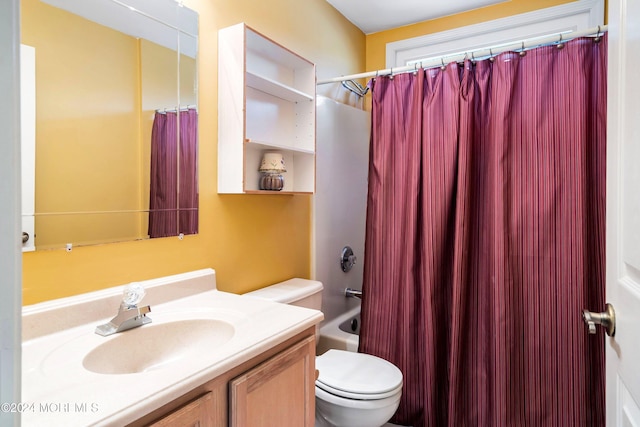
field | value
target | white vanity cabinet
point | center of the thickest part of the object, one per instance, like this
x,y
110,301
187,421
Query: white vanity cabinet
x,y
266,102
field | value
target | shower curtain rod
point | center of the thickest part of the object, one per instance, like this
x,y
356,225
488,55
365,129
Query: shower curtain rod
x,y
175,109
475,54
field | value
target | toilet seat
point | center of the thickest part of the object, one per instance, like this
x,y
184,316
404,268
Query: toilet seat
x,y
357,376
358,396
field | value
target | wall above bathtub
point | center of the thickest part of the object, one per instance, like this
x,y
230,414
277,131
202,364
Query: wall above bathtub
x,y
340,202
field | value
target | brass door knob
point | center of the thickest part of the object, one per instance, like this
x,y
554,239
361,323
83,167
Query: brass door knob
x,y
607,319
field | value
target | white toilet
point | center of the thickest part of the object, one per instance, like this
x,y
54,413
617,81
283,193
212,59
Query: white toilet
x,y
353,389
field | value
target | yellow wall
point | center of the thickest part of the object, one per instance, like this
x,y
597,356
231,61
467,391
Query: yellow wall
x,y
376,43
251,241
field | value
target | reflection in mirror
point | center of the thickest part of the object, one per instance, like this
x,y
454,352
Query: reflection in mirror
x,y
115,120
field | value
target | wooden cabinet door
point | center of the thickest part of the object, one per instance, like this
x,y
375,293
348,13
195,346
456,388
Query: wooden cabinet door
x,y
197,413
278,392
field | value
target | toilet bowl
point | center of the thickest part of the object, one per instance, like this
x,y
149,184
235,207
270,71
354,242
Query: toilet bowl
x,y
352,389
355,389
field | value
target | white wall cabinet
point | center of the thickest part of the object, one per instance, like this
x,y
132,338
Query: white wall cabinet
x,y
266,102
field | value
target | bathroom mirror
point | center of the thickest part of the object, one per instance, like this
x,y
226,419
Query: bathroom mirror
x,y
115,120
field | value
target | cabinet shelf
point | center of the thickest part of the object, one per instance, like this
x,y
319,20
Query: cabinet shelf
x,y
266,102
272,87
278,147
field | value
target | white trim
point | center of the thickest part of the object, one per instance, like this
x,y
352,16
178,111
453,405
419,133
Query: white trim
x,y
10,253
569,17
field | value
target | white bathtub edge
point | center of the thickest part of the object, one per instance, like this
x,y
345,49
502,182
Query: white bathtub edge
x,y
331,336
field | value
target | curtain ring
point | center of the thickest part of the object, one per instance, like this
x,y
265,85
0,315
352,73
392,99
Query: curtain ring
x,y
443,67
523,52
560,45
415,68
597,39
463,62
391,74
491,58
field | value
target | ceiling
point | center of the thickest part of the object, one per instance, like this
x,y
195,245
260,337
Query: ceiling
x,y
372,16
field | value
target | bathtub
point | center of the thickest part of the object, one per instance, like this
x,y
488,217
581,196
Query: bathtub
x,y
340,333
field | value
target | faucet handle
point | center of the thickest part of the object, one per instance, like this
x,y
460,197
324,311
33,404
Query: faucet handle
x,y
133,294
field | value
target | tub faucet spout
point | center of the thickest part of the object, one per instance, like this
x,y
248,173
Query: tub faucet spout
x,y
349,293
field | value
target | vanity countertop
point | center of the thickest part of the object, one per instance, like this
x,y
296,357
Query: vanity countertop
x,y
57,390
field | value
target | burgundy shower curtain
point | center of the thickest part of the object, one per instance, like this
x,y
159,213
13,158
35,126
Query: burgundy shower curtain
x,y
188,191
485,238
173,200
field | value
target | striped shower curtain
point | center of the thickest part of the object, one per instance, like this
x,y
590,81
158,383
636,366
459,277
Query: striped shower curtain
x,y
485,238
173,199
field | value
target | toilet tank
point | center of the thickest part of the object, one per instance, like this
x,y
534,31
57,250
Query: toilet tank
x,y
301,292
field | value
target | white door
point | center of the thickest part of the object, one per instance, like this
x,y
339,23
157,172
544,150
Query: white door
x,y
623,213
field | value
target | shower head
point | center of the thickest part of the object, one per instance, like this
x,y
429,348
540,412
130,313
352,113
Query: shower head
x,y
355,87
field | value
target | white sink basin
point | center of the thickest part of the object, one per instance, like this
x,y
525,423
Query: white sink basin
x,y
158,346
196,335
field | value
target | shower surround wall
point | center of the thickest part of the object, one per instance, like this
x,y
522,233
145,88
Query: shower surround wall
x,y
342,162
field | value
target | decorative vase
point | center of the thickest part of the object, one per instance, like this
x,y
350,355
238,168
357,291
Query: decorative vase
x,y
272,181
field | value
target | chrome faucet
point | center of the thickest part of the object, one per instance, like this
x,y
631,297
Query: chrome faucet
x,y
129,314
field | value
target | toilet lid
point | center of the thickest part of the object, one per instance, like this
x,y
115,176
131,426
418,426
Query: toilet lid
x,y
357,375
